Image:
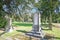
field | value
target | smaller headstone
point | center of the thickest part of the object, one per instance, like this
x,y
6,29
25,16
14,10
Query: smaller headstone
x,y
9,27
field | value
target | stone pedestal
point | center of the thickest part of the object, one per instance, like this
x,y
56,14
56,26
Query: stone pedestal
x,y
36,29
8,27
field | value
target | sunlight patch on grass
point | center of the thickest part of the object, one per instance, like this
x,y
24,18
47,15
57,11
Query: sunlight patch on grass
x,y
55,32
24,28
10,34
1,38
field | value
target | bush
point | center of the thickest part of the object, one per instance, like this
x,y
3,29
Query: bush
x,y
3,22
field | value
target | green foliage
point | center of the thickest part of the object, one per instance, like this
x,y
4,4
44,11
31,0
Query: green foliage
x,y
1,3
3,22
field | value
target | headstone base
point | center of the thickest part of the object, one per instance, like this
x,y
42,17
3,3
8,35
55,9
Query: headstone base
x,y
35,34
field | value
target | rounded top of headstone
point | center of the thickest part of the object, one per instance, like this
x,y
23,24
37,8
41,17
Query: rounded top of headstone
x,y
34,10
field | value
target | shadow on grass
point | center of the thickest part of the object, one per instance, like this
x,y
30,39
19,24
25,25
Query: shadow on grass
x,y
23,31
51,36
2,29
56,38
2,33
46,29
22,24
45,25
48,37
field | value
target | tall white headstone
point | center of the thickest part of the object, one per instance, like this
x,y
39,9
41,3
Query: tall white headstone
x,y
36,29
35,23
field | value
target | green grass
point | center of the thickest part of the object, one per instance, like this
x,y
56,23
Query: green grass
x,y
10,34
55,31
27,24
24,27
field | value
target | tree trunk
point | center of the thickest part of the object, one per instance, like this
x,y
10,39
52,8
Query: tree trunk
x,y
46,20
50,21
8,27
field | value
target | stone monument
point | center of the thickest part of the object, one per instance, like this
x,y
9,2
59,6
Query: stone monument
x,y
8,27
36,29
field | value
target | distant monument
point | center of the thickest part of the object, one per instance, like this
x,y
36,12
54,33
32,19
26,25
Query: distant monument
x,y
36,29
8,27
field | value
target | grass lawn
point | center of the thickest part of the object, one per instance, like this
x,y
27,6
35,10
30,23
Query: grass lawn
x,y
24,27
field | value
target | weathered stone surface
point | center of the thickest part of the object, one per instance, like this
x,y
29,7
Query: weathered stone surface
x,y
9,27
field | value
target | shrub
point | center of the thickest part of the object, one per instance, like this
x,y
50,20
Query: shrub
x,y
3,22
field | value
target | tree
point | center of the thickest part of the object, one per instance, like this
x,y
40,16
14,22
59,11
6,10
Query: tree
x,y
2,14
10,7
48,6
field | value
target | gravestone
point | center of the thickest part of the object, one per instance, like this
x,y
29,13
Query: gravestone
x,y
36,29
8,27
